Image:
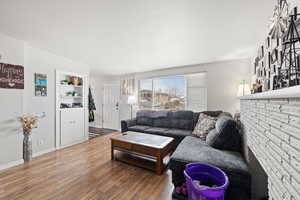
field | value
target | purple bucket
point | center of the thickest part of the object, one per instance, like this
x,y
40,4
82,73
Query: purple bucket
x,y
207,175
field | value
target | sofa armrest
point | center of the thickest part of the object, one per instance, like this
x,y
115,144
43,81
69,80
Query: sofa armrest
x,y
125,124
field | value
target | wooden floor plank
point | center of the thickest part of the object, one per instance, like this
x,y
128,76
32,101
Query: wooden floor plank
x,y
83,172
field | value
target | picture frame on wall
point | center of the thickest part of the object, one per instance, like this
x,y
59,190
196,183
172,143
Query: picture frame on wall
x,y
40,81
11,76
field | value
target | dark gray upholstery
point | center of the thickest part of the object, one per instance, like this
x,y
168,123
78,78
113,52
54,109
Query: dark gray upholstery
x,y
144,117
194,150
127,123
225,136
176,124
156,130
178,134
161,119
138,128
181,119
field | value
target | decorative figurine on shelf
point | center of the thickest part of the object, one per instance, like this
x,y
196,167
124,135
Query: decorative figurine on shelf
x,y
289,70
29,122
279,20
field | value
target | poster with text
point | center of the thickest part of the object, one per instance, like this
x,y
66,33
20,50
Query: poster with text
x,y
11,76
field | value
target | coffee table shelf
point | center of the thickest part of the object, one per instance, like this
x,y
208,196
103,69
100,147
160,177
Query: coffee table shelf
x,y
143,150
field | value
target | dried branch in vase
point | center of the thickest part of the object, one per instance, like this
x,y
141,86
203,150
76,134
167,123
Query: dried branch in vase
x,y
29,122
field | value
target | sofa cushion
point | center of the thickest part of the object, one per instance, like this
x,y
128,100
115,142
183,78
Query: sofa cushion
x,y
181,120
161,119
138,128
178,132
204,126
156,130
194,150
225,136
144,117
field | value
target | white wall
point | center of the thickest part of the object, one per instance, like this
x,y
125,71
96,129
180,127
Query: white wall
x,y
11,106
15,102
39,61
222,82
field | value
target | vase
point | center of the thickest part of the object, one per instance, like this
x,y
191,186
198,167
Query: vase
x,y
27,147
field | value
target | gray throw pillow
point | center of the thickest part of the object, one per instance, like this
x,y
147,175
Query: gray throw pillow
x,y
204,125
225,136
212,137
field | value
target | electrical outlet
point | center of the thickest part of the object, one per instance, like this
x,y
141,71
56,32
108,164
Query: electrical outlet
x,y
40,142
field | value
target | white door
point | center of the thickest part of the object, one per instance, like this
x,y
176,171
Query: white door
x,y
111,106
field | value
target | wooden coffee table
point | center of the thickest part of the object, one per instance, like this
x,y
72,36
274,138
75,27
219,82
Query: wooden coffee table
x,y
143,150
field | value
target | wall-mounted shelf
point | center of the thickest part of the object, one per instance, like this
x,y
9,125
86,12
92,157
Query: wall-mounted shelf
x,y
290,92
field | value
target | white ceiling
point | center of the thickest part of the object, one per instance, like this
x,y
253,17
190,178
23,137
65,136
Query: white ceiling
x,y
125,36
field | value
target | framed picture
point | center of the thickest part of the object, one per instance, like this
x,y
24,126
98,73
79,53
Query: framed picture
x,y
40,81
11,76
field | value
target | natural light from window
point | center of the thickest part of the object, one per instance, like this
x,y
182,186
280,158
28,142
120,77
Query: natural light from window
x,y
163,93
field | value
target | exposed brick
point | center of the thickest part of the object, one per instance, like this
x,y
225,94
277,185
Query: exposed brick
x,y
272,128
294,131
292,109
294,121
280,134
295,142
295,163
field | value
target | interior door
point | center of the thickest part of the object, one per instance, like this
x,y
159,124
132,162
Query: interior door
x,y
111,107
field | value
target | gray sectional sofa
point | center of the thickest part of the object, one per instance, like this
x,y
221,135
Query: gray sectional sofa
x,y
222,148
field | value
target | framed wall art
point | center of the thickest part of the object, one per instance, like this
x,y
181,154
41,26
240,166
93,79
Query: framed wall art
x,y
40,81
11,76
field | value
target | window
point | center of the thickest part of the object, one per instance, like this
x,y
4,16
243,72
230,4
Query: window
x,y
163,93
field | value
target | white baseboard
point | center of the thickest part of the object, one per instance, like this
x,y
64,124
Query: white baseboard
x,y
43,152
95,125
11,164
73,143
19,162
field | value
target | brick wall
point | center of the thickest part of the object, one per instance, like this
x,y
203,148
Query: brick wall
x,y
272,129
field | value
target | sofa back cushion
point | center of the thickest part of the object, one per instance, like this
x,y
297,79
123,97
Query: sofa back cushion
x,y
209,113
181,119
161,119
144,117
225,136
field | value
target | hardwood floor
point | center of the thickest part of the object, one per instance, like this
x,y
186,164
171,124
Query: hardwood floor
x,y
84,172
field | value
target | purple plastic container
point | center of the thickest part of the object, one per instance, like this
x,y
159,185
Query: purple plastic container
x,y
207,175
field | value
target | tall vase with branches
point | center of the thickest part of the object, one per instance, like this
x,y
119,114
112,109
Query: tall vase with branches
x,y
28,122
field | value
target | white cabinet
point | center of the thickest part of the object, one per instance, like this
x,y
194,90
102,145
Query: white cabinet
x,y
71,108
71,125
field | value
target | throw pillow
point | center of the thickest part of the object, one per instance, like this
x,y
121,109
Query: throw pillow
x,y
225,136
204,125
